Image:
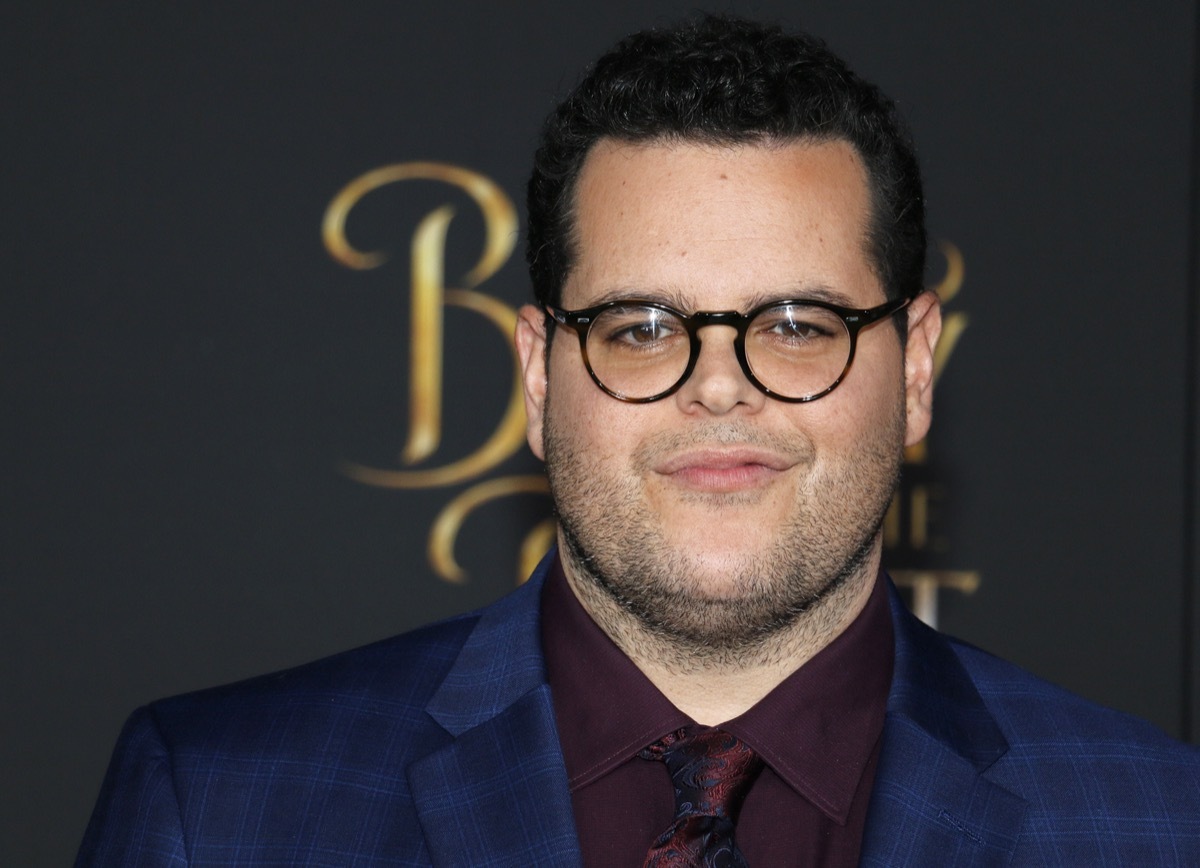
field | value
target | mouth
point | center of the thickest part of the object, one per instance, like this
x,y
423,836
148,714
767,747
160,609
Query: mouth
x,y
724,470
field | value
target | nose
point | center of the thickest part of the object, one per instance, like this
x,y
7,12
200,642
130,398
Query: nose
x,y
717,384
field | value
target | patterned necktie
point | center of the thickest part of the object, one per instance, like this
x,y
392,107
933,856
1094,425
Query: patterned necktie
x,y
712,771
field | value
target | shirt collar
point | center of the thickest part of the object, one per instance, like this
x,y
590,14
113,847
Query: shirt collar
x,y
816,729
606,709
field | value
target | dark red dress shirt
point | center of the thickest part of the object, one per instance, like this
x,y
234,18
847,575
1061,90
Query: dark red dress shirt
x,y
818,731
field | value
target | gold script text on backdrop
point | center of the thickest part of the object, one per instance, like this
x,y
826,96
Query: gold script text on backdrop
x,y
910,529
908,526
428,296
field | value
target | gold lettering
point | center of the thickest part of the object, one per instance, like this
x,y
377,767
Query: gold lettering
x,y
425,344
504,441
533,549
925,585
428,299
450,520
923,499
953,325
956,270
499,215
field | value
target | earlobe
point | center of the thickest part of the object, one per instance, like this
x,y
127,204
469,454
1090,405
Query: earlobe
x,y
924,326
531,355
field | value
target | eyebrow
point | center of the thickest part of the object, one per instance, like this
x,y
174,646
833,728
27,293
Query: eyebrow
x,y
677,298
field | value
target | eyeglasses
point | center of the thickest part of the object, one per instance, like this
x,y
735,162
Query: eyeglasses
x,y
796,351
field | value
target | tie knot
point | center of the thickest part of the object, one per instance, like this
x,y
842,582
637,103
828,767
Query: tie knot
x,y
712,770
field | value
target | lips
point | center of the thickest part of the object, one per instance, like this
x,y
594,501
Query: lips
x,y
723,459
723,469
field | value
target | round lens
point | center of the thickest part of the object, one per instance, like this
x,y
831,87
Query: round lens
x,y
797,350
637,351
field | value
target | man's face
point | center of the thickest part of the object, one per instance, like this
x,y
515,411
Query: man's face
x,y
717,514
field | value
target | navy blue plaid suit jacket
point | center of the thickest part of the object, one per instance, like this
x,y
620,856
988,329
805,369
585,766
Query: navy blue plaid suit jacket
x,y
439,747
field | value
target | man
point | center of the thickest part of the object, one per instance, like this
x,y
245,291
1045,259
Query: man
x,y
730,351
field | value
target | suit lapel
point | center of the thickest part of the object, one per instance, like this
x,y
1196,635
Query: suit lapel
x,y
497,794
932,802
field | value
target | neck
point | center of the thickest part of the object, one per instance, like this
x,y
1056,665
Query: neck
x,y
713,687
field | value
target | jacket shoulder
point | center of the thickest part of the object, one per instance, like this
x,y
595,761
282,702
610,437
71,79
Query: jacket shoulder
x,y
257,771
986,757
1099,784
394,676
1031,710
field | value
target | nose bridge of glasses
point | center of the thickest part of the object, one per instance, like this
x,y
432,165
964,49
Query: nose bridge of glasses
x,y
704,318
730,319
720,352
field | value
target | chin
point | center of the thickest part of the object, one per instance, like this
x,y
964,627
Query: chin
x,y
719,572
729,536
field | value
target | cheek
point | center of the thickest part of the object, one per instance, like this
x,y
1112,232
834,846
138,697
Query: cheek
x,y
863,412
579,412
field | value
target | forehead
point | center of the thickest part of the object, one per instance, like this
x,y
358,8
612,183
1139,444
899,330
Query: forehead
x,y
721,226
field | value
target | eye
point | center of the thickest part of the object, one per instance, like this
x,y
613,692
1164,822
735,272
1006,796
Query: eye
x,y
643,333
794,330
636,328
796,323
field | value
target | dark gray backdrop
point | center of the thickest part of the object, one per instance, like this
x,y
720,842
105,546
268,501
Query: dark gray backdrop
x,y
185,367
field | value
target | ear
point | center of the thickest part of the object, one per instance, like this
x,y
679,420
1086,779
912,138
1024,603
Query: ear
x,y
924,326
531,353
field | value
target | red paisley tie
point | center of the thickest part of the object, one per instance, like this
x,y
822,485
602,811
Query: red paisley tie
x,y
712,771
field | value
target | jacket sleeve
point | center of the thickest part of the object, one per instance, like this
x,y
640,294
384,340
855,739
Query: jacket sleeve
x,y
136,821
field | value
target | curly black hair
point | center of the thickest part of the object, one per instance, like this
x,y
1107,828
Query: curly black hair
x,y
721,80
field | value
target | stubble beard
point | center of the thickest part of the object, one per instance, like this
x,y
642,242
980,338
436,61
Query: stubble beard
x,y
642,589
